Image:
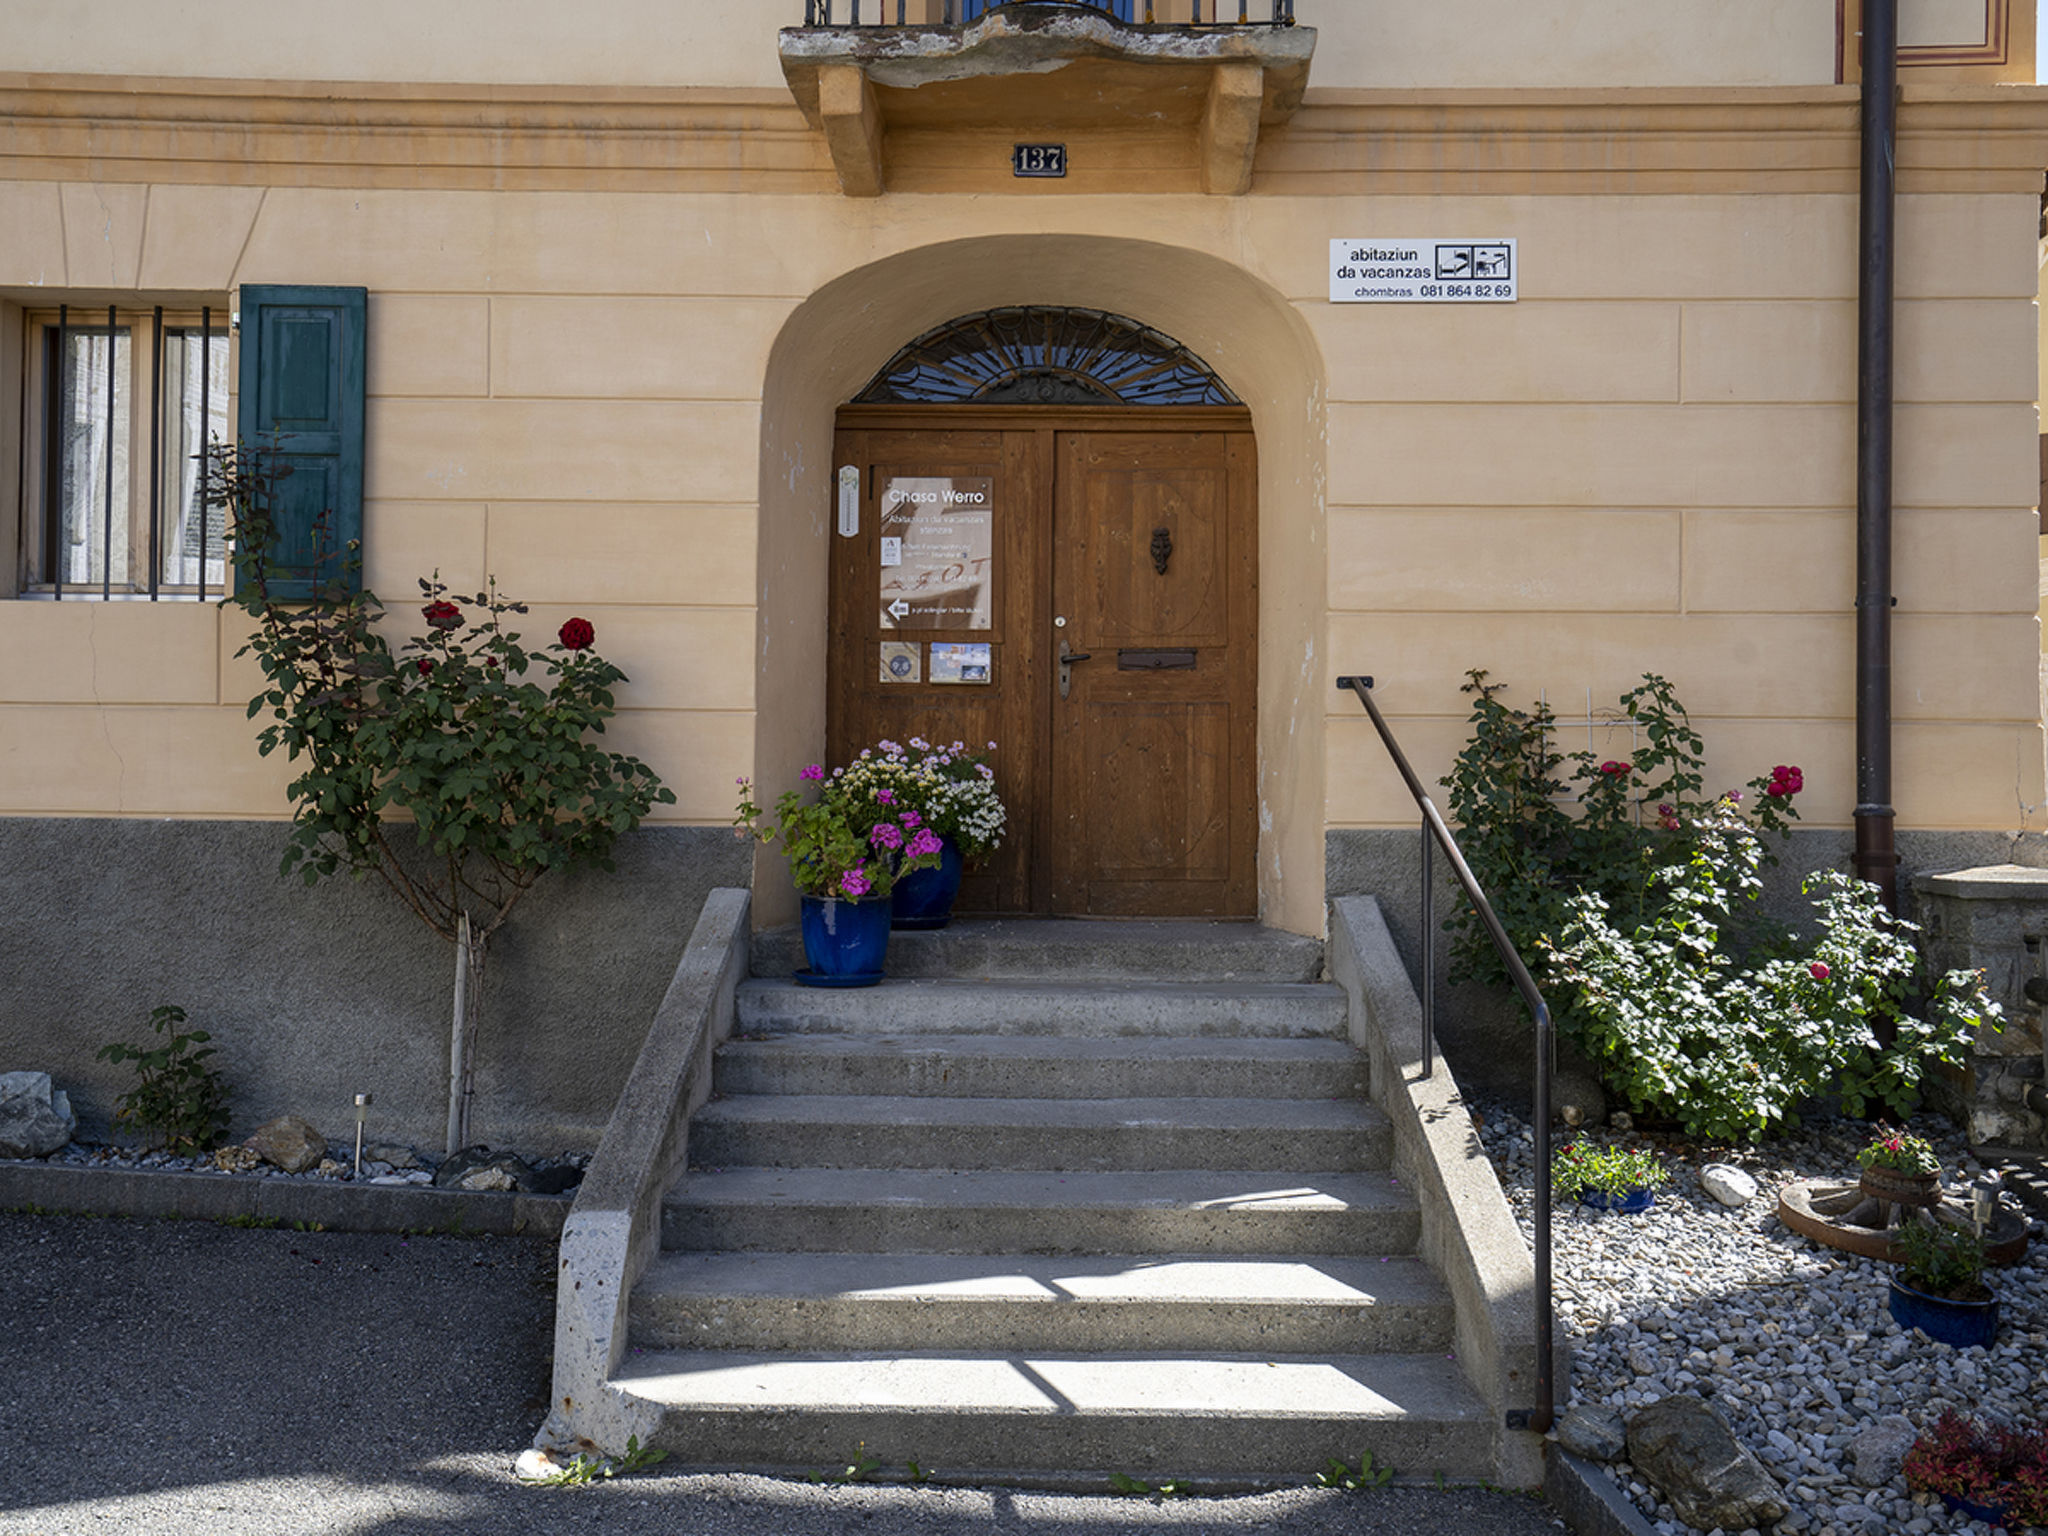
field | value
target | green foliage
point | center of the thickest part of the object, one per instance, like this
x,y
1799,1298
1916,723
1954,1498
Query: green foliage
x,y
582,1469
179,1101
1650,940
861,1468
1131,1487
1359,1479
1901,1150
1942,1258
1605,1170
855,840
481,742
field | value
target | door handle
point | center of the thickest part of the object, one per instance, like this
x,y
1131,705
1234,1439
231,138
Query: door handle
x,y
1068,656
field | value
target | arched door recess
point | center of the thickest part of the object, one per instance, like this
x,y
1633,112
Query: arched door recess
x,y
1052,543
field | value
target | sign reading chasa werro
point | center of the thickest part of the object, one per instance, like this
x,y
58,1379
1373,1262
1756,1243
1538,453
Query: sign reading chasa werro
x,y
1423,270
937,538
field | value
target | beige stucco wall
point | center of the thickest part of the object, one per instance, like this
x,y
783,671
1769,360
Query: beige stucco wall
x,y
731,42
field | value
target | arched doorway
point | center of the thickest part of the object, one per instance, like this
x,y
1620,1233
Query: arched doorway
x,y
1239,322
1047,538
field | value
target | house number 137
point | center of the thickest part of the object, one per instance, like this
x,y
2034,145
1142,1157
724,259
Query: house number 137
x,y
1039,160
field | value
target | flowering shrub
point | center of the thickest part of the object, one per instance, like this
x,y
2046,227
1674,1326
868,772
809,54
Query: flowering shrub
x,y
1901,1150
1613,1171
951,789
1998,1465
852,841
462,743
1651,941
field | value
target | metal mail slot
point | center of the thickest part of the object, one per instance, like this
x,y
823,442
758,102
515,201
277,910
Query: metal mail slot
x,y
1154,661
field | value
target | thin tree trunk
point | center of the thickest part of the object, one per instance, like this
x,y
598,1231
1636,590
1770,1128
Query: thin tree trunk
x,y
469,1008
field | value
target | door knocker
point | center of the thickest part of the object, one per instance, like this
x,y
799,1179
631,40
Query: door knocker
x,y
1162,548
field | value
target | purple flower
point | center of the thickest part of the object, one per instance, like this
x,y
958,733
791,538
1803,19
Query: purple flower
x,y
814,772
855,883
885,797
884,834
911,819
925,841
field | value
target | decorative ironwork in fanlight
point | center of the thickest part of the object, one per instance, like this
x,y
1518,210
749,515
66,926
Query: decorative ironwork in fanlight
x,y
1044,356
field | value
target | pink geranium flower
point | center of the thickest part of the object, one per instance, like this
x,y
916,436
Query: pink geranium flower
x,y
855,883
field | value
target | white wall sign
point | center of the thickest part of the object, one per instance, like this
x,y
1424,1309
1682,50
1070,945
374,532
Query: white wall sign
x,y
1423,270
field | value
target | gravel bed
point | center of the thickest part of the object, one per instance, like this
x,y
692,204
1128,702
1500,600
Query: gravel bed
x,y
1791,1341
408,1165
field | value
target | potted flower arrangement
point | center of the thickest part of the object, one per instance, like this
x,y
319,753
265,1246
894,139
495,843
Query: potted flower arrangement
x,y
1994,1472
1939,1287
951,792
1607,1178
1901,1168
846,851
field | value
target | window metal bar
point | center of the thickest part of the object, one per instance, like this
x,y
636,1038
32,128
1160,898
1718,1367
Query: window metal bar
x,y
156,450
107,524
53,517
205,421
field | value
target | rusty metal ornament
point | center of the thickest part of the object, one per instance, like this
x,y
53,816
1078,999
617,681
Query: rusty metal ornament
x,y
1162,548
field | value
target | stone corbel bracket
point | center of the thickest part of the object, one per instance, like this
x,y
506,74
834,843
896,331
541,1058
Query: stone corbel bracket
x,y
843,77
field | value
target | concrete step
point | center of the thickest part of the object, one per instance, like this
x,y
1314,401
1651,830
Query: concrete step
x,y
1071,1009
1011,1303
1034,1067
1062,1418
918,1210
1078,949
828,1131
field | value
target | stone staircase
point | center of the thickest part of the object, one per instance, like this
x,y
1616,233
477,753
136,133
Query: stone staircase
x,y
1059,1199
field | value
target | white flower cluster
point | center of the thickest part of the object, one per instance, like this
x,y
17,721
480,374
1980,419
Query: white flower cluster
x,y
951,788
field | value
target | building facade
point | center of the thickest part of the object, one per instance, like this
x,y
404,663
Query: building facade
x,y
642,282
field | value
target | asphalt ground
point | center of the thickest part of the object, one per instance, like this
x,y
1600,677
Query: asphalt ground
x,y
167,1378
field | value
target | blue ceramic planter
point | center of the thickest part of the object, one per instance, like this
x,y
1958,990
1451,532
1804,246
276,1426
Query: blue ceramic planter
x,y
1628,1204
1964,1324
1990,1514
845,942
924,897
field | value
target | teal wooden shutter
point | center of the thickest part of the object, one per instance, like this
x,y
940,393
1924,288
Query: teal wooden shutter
x,y
301,389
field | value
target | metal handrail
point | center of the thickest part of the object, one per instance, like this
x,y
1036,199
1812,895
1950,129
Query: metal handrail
x,y
1435,834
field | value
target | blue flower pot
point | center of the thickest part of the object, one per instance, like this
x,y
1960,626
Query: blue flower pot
x,y
1964,1324
1628,1204
1990,1514
924,897
845,942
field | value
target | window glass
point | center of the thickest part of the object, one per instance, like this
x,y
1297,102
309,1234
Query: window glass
x,y
195,406
90,497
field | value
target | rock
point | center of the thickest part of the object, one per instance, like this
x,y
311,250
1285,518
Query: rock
x,y
1621,1120
288,1142
235,1160
1880,1449
35,1120
392,1153
1683,1448
534,1464
554,1181
330,1169
481,1168
1599,1434
1728,1184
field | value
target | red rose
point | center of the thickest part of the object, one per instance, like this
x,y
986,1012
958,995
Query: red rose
x,y
1612,768
1818,971
443,614
577,634
426,665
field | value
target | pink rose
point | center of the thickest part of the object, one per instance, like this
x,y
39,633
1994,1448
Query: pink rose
x,y
1611,768
1818,971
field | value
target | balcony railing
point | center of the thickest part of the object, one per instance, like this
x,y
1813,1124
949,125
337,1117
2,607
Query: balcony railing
x,y
955,13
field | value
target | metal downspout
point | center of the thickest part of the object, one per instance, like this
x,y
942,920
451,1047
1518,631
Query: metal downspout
x,y
1876,858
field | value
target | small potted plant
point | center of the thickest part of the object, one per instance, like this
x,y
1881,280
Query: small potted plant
x,y
1939,1286
951,791
1607,1178
1901,1169
846,851
1994,1472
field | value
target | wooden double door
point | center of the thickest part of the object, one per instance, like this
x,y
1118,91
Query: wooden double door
x,y
1079,587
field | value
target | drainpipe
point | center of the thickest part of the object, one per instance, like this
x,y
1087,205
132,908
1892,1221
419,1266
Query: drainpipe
x,y
1876,858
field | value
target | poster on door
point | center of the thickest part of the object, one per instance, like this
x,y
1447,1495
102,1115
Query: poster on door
x,y
937,552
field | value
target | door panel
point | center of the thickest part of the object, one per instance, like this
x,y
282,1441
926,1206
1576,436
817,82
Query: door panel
x,y
1135,792
1154,791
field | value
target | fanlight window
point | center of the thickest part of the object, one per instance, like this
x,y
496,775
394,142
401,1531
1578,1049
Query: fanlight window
x,y
1045,357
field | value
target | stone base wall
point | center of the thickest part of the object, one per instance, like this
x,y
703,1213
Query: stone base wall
x,y
315,994
1485,1034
